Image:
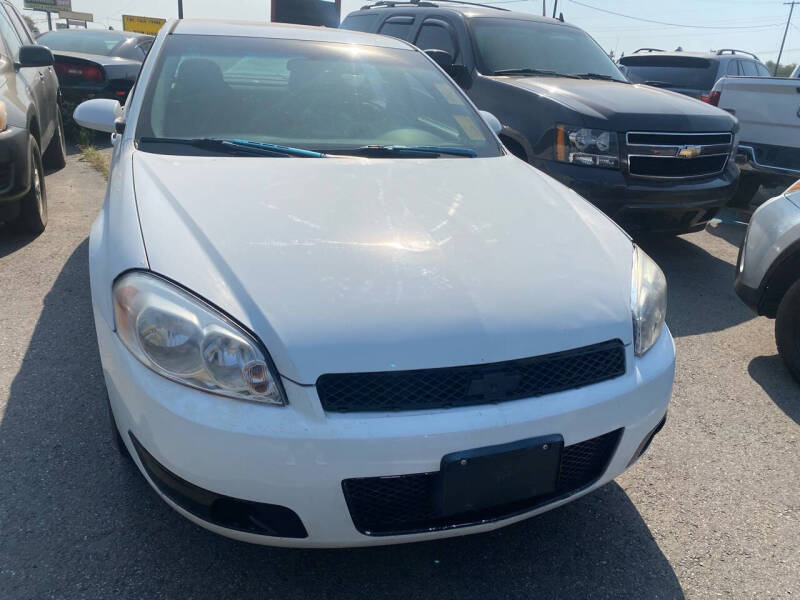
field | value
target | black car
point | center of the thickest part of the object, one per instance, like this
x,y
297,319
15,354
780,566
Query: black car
x,y
31,131
690,73
96,63
649,158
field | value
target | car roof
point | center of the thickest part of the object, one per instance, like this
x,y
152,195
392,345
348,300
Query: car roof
x,y
105,33
467,11
283,31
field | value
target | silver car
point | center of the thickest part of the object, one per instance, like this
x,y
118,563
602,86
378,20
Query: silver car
x,y
768,270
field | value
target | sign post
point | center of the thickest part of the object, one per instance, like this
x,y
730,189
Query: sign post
x,y
48,6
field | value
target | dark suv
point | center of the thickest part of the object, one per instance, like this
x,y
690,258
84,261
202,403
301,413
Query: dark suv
x,y
31,132
649,158
690,73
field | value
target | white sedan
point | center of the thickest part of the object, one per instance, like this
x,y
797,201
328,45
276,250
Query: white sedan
x,y
332,310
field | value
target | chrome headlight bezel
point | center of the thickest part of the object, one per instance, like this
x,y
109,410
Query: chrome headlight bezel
x,y
587,147
185,339
648,301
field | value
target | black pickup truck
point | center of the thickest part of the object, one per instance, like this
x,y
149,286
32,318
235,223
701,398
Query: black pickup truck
x,y
650,158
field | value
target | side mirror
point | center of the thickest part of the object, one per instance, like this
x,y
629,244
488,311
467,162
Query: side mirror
x,y
35,56
441,57
492,121
100,114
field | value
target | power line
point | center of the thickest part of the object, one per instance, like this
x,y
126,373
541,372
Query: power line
x,y
611,12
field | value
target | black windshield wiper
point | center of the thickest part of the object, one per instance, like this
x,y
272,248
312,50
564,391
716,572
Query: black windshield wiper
x,y
376,151
527,71
599,76
661,84
237,146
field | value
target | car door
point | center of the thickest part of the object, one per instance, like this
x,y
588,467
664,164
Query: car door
x,y
50,106
30,79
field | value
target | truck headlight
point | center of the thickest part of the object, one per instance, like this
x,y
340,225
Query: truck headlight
x,y
587,147
648,301
182,338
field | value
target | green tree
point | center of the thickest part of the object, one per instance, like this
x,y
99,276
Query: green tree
x,y
783,71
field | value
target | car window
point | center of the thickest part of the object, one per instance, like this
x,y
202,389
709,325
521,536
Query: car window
x,y
86,42
313,95
145,46
433,36
762,70
749,68
360,22
521,44
689,72
9,35
21,28
733,68
399,27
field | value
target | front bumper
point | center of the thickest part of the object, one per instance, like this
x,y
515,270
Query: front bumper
x,y
773,162
298,457
15,178
639,204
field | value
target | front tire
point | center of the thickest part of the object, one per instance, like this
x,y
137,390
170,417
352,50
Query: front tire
x,y
55,157
33,206
787,330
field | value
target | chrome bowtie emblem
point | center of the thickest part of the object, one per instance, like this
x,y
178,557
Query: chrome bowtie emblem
x,y
689,151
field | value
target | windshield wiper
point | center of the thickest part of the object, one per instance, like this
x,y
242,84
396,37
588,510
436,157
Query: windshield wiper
x,y
376,151
599,76
237,146
527,71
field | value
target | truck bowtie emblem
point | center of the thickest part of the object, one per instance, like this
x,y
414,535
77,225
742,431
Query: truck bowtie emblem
x,y
689,151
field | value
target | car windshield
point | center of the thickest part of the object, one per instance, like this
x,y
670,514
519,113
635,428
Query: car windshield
x,y
676,71
319,96
86,42
509,44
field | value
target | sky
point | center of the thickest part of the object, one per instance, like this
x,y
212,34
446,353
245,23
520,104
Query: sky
x,y
753,25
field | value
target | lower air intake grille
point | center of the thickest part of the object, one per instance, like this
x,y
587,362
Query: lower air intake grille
x,y
655,166
479,384
408,503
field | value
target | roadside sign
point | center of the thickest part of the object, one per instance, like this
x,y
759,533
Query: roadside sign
x,y
48,5
74,23
149,25
75,16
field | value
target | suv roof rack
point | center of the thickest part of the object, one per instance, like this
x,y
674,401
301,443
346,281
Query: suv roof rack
x,y
648,50
392,3
722,51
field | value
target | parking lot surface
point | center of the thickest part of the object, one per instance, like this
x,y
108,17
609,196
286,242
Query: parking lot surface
x,y
713,509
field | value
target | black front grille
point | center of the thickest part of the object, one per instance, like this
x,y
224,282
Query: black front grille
x,y
653,166
478,384
410,503
679,139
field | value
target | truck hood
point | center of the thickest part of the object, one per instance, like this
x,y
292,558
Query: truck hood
x,y
351,265
626,107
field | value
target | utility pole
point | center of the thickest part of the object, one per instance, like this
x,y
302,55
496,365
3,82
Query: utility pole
x,y
180,9
785,31
544,8
49,21
555,6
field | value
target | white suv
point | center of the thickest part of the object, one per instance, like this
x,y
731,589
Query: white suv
x,y
768,273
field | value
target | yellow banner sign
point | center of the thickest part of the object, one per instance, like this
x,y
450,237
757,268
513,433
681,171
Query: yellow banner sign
x,y
148,25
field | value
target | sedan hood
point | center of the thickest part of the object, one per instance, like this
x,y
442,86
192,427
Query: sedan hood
x,y
626,107
351,265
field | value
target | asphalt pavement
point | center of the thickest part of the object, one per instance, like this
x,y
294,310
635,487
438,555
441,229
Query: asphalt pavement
x,y
713,509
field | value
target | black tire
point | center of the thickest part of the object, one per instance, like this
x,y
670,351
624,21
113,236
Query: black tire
x,y
116,436
33,206
787,330
55,157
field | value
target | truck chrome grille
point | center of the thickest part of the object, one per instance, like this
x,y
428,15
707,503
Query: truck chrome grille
x,y
677,155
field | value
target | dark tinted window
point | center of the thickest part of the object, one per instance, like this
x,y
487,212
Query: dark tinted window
x,y
435,37
733,68
762,70
519,44
360,22
399,27
689,72
749,68
87,42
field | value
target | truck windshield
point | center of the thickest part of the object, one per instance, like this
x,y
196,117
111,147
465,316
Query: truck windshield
x,y
551,48
689,72
305,95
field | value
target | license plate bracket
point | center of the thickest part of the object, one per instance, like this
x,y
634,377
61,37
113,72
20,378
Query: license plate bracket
x,y
491,476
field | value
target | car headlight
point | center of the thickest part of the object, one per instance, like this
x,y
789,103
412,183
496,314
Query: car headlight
x,y
648,301
182,338
587,147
